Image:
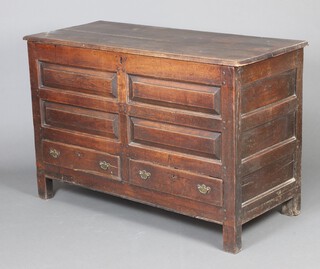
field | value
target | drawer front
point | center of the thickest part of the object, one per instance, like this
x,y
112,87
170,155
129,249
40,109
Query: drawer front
x,y
81,159
178,95
80,119
176,182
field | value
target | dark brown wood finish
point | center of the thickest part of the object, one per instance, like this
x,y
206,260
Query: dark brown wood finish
x,y
194,97
177,182
232,229
80,120
270,170
79,80
213,48
176,138
81,159
202,124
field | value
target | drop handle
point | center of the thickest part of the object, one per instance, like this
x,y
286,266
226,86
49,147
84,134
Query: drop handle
x,y
104,165
54,153
144,174
203,188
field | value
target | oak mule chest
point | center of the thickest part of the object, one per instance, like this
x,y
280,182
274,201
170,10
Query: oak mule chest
x,y
203,124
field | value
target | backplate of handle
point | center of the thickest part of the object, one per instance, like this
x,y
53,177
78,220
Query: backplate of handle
x,y
104,165
54,153
144,174
202,188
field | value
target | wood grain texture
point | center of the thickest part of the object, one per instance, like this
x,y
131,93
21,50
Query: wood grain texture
x,y
178,95
76,57
268,200
269,113
142,195
181,118
79,80
81,159
80,100
182,139
267,91
80,120
267,177
81,139
45,185
214,48
176,160
176,182
266,135
232,228
267,156
293,206
269,153
203,124
176,70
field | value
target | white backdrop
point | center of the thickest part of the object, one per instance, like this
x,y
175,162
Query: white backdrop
x,y
293,19
273,18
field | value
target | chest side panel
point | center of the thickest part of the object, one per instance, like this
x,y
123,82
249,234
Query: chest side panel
x,y
270,132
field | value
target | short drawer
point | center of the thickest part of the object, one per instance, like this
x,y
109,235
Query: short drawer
x,y
177,182
81,159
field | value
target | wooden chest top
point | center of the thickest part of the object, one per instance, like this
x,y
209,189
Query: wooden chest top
x,y
206,47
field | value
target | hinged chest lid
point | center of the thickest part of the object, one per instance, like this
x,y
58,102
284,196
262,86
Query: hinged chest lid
x,y
206,47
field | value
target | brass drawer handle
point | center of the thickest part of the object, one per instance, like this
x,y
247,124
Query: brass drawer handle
x,y
204,189
104,165
54,153
144,174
